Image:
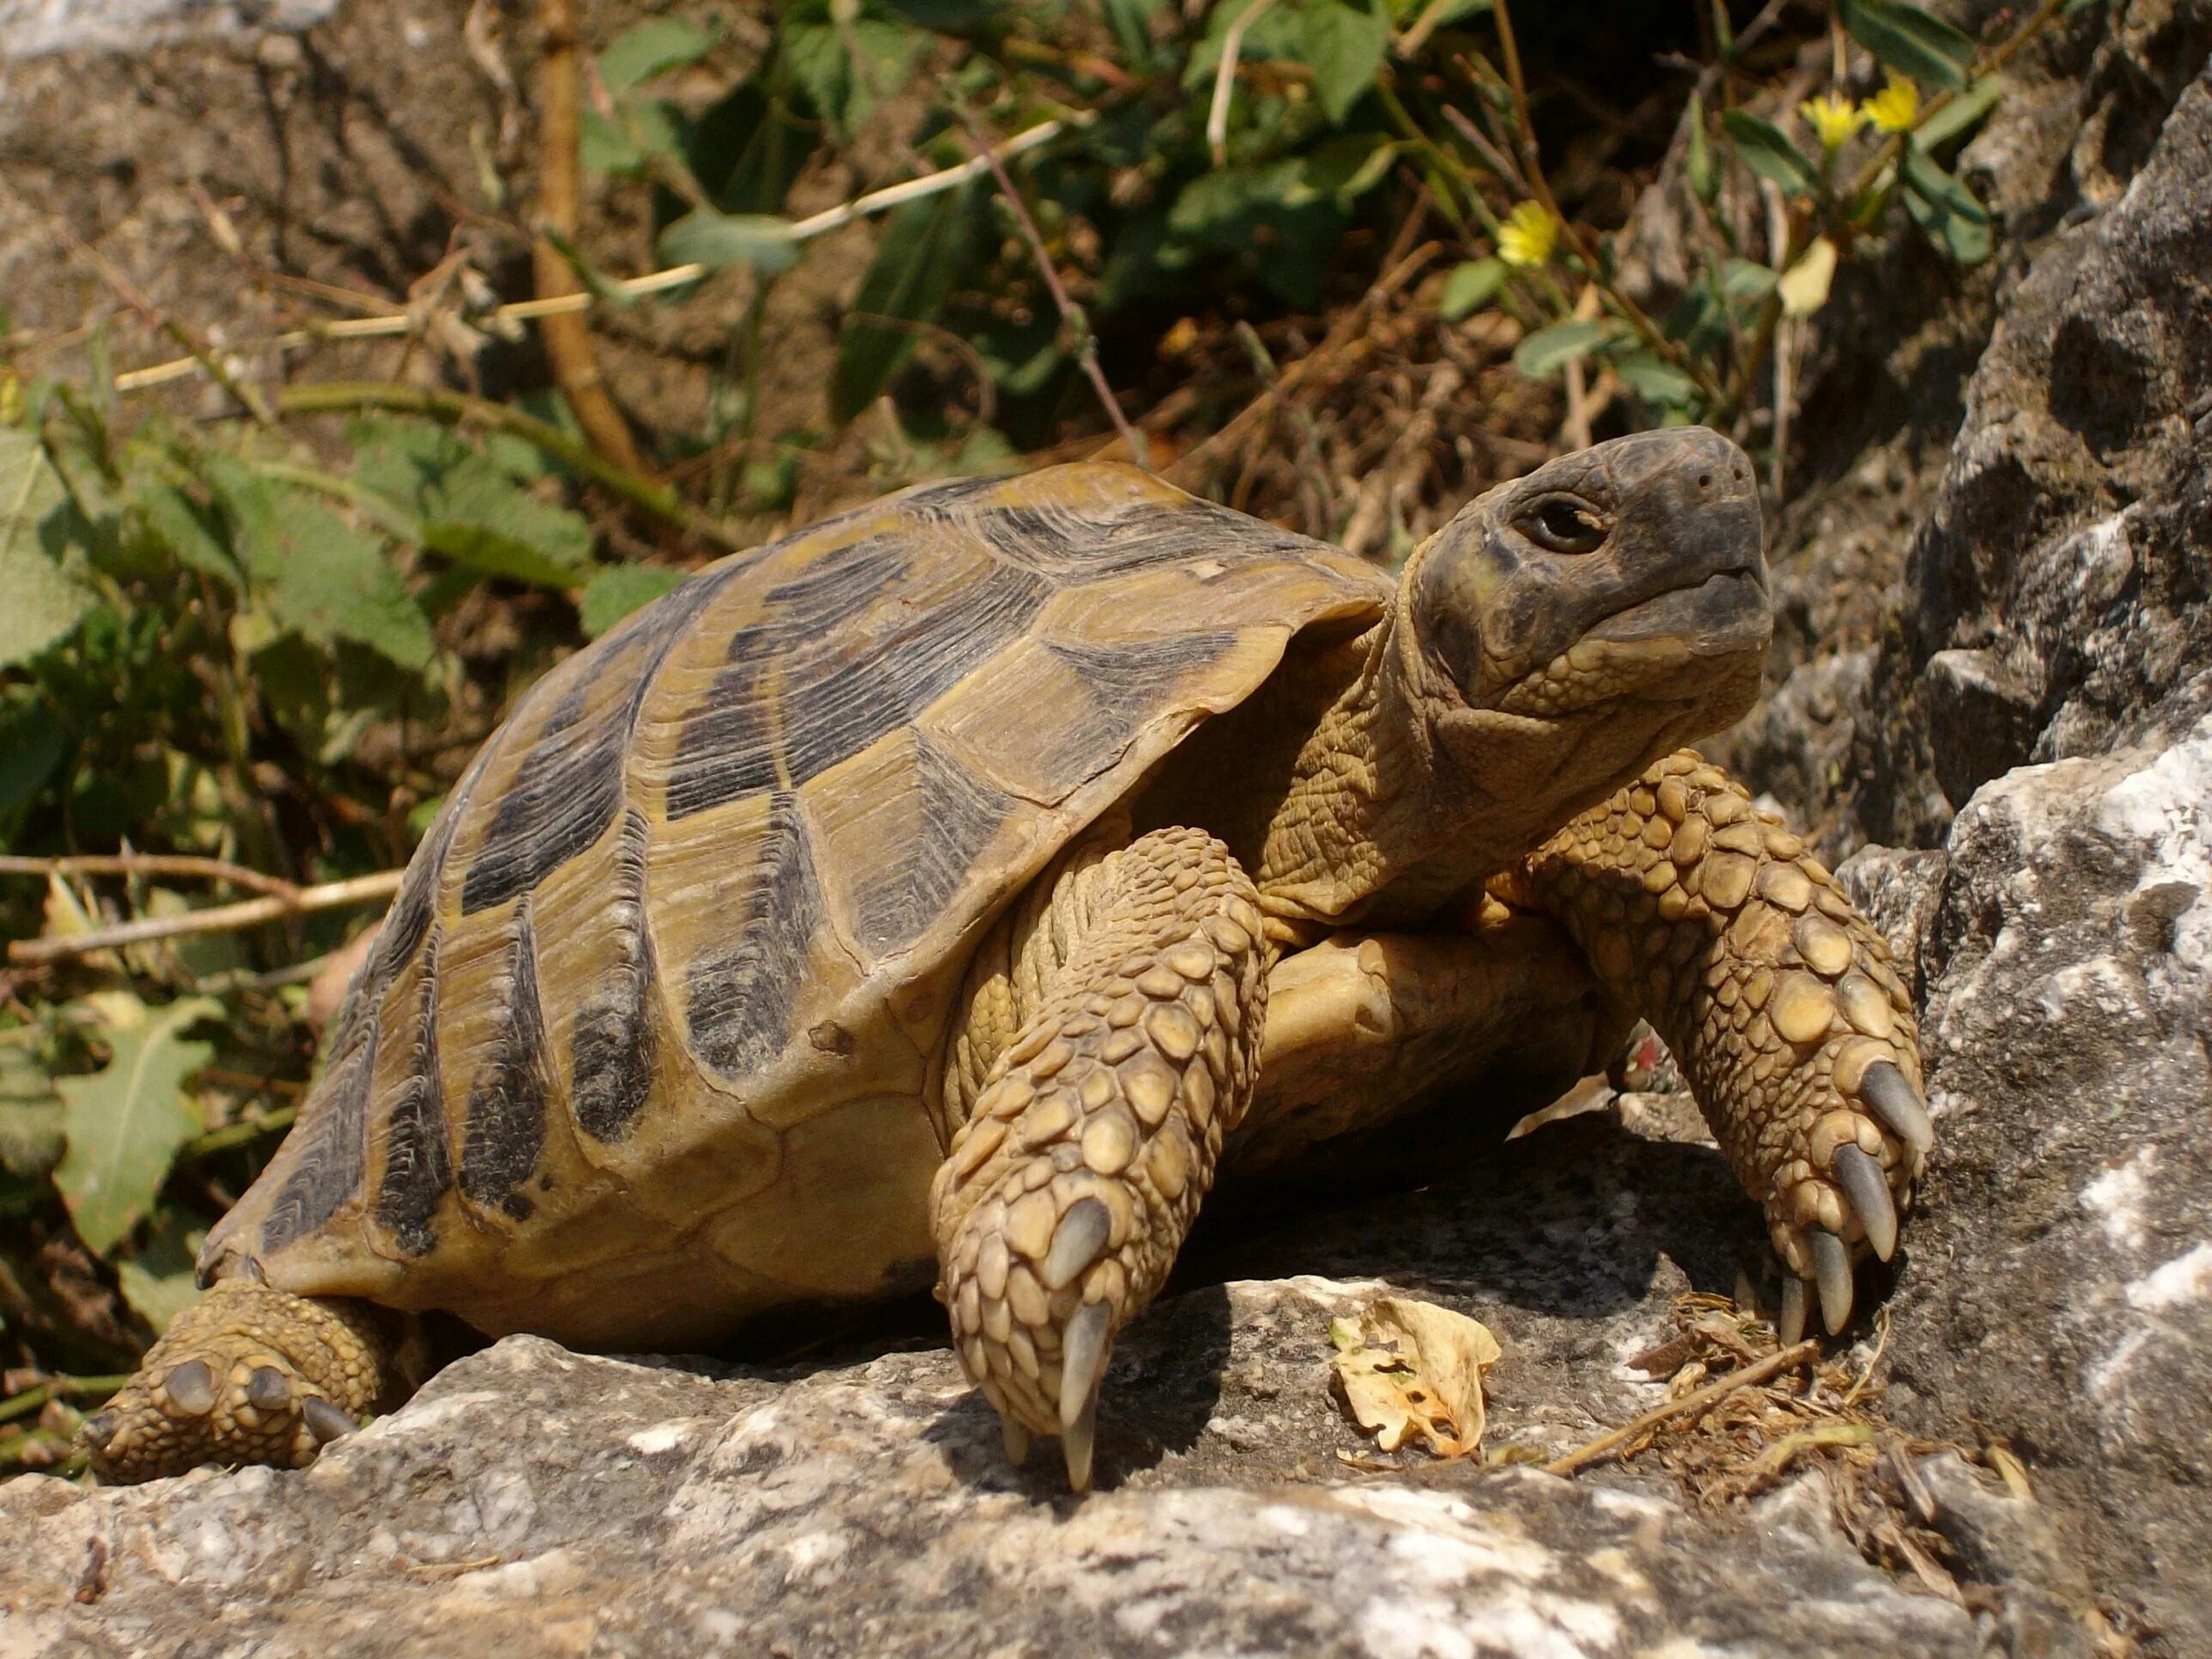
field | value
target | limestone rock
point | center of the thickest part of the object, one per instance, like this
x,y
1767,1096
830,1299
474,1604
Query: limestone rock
x,y
534,1501
2059,1286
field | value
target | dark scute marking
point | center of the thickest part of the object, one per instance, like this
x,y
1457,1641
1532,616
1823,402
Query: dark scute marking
x,y
901,672
329,1171
1087,546
611,1053
506,1127
843,669
726,750
419,1165
907,889
1128,681
569,786
739,998
404,925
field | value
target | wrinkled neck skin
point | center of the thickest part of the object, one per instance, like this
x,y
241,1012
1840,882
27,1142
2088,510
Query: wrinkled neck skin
x,y
1404,796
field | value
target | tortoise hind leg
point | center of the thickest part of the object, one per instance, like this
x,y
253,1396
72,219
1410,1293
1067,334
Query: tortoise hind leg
x,y
1069,1189
249,1373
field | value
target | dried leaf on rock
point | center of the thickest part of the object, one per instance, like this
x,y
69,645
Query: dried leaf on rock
x,y
1410,1370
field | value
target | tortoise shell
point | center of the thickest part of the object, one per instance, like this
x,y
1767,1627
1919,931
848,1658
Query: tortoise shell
x,y
651,1040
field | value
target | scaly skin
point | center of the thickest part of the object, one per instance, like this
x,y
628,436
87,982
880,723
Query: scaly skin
x,y
1068,1191
252,1375
1776,997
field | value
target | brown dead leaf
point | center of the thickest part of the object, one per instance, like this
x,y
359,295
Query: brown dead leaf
x,y
1410,1370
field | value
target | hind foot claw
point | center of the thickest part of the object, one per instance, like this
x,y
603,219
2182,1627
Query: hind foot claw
x,y
246,1375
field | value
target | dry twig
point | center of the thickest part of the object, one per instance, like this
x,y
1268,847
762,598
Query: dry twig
x,y
219,919
1605,1444
568,339
1086,343
147,864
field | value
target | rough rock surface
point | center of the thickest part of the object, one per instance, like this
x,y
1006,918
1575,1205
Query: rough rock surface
x,y
531,1500
2059,1284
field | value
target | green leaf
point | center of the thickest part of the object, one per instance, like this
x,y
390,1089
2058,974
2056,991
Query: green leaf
x,y
912,273
32,744
467,508
315,572
1745,279
1470,287
1549,350
1909,40
718,240
1767,153
653,48
126,1121
1961,115
31,1136
748,149
1704,177
844,91
43,602
620,589
182,529
1947,213
157,1278
1343,42
1654,379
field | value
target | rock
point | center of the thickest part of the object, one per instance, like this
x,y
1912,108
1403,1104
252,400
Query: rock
x,y
36,28
612,1507
2058,1289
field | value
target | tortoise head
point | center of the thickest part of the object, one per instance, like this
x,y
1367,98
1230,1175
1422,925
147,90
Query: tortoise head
x,y
1615,596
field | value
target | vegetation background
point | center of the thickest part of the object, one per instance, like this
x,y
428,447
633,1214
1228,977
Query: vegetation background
x,y
267,577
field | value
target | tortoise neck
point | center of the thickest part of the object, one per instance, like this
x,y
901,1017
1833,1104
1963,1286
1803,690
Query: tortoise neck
x,y
1402,797
1368,804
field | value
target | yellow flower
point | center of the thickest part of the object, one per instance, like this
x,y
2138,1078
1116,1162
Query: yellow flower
x,y
1832,118
1895,108
1528,235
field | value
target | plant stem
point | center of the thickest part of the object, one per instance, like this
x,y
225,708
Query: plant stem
x,y
57,1388
221,918
1605,1444
147,863
1533,165
567,337
336,397
1087,348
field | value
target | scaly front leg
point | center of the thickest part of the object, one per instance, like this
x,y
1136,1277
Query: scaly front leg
x,y
1070,1188
1776,995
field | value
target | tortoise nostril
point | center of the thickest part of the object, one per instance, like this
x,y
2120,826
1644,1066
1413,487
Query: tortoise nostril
x,y
1704,481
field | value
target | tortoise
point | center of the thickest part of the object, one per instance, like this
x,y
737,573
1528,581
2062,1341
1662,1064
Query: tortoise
x,y
948,891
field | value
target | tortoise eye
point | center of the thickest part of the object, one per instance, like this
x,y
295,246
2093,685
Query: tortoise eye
x,y
1561,524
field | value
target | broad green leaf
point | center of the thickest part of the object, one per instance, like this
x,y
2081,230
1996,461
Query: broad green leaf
x,y
40,602
716,240
1947,213
603,145
1343,41
845,86
1470,287
126,1122
1909,40
1961,115
1767,153
653,48
157,1278
182,528
620,589
466,507
1654,379
1549,350
922,251
312,570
